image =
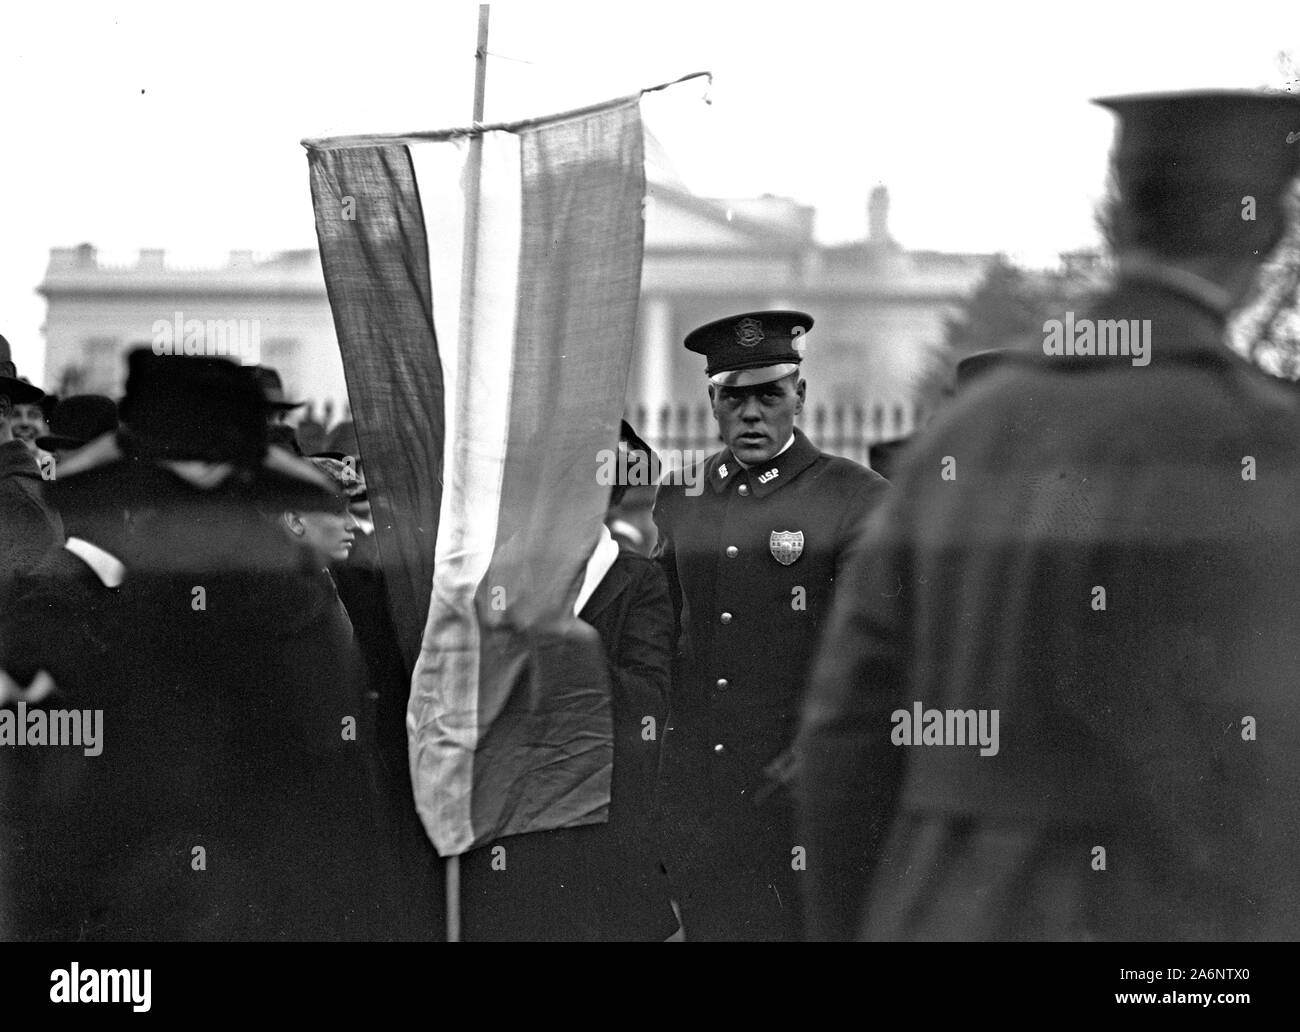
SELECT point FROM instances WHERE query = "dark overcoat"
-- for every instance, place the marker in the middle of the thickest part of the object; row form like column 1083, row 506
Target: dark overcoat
column 599, row 882
column 1107, row 555
column 28, row 526
column 751, row 561
column 234, row 797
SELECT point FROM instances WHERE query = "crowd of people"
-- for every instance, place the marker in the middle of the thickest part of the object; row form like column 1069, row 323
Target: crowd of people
column 216, row 600
column 1038, row 685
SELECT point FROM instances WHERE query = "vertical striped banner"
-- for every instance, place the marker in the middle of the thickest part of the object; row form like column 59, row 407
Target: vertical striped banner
column 512, row 374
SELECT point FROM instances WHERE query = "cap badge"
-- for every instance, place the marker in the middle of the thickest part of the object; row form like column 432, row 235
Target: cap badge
column 749, row 333
column 786, row 545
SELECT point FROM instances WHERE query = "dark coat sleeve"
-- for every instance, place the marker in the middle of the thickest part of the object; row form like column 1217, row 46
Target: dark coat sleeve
column 848, row 767
column 665, row 552
column 28, row 531
column 640, row 664
column 640, row 667
column 869, row 496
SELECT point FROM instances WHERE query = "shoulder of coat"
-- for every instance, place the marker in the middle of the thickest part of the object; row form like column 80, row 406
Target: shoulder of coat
column 851, row 474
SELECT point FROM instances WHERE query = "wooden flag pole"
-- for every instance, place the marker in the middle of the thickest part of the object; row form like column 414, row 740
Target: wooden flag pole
column 468, row 275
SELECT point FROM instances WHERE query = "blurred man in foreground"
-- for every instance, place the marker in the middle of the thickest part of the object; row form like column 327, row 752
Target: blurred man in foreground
column 1057, row 696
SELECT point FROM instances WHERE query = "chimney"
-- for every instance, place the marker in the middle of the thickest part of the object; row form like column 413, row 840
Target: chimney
column 878, row 216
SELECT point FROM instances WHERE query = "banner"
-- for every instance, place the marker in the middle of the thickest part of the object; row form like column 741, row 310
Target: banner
column 484, row 381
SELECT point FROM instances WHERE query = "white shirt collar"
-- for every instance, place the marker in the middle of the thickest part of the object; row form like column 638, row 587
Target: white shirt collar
column 784, row 448
column 106, row 566
column 602, row 558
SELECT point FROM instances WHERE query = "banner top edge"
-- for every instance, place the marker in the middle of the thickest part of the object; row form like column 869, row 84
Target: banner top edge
column 327, row 143
column 461, row 132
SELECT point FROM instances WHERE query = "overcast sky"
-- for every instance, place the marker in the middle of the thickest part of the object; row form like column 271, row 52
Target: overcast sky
column 174, row 125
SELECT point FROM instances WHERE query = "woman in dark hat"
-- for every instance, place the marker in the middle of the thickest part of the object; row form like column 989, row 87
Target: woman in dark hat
column 76, row 421
column 73, row 423
column 28, row 526
column 234, row 798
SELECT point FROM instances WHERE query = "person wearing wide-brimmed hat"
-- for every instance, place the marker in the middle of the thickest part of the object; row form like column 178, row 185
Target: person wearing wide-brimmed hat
column 29, row 420
column 28, row 526
column 277, row 406
column 233, row 798
column 76, row 421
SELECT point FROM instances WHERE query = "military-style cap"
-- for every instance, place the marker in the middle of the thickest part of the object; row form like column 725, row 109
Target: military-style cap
column 1216, row 132
column 752, row 348
column 1201, row 152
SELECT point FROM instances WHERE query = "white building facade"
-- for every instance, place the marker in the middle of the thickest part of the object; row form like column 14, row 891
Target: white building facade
column 878, row 308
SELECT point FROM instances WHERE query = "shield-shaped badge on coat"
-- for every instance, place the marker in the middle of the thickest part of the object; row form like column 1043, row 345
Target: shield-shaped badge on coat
column 786, row 545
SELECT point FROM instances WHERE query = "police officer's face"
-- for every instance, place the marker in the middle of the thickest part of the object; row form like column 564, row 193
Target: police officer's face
column 755, row 422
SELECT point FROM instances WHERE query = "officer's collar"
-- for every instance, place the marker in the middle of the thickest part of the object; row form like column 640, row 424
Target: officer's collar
column 763, row 479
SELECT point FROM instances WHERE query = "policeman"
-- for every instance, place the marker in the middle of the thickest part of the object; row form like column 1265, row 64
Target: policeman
column 752, row 545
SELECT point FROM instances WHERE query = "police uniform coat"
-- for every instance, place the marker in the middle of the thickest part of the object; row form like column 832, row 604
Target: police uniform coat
column 1108, row 555
column 751, row 564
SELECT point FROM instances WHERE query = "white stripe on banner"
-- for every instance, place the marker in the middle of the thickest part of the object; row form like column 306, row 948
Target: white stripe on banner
column 443, row 714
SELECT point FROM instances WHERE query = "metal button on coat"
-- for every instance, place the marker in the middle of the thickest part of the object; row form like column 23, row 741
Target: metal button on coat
column 743, row 489
column 732, row 551
column 722, row 682
column 718, row 748
column 726, row 618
